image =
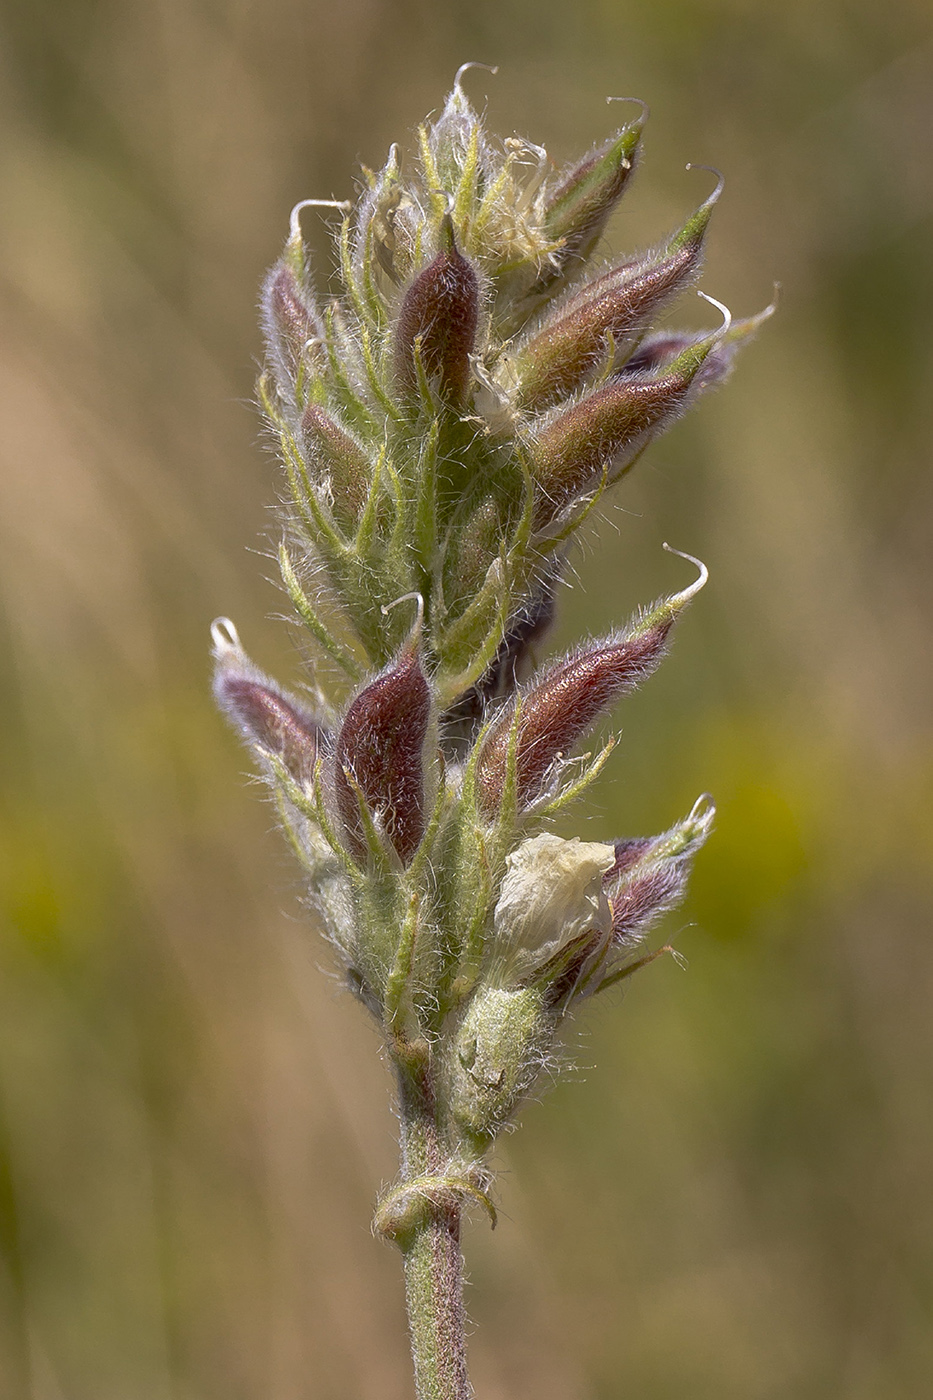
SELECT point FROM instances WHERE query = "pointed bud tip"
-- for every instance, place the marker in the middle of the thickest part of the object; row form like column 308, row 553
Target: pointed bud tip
column 680, row 600
column 225, row 640
column 695, row 227
column 643, row 115
column 702, row 815
column 294, row 218
column 413, row 642
column 492, row 68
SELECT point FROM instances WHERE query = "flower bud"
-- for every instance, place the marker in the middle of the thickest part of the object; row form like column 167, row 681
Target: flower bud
column 658, row 350
column 649, row 875
column 558, row 710
column 500, row 1049
column 578, row 206
column 380, row 757
column 611, row 425
column 336, row 459
column 439, row 315
column 573, row 342
column 666, row 346
column 290, row 320
column 261, row 711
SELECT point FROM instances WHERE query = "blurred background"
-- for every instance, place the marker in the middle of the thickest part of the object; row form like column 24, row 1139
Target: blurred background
column 730, row 1195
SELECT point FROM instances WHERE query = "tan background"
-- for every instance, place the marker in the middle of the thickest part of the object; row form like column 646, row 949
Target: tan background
column 730, row 1197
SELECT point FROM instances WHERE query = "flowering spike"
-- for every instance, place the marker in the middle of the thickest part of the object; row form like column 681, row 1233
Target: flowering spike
column 261, row 711
column 447, row 421
column 438, row 320
column 380, row 755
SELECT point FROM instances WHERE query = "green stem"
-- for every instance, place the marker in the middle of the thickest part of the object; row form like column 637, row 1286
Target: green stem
column 432, row 1255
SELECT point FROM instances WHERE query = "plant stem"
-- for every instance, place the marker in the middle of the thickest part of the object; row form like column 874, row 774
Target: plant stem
column 432, row 1254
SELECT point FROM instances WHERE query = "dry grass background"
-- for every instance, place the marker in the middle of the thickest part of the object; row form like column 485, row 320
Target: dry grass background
column 730, row 1198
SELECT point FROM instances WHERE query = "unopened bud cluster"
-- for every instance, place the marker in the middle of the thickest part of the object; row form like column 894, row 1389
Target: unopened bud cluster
column 446, row 424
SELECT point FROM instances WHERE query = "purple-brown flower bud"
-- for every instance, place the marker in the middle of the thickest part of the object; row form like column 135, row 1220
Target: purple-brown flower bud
column 658, row 350
column 334, row 457
column 611, row 425
column 573, row 342
column 380, row 757
column 560, row 708
column 439, row 315
column 667, row 346
column 262, row 712
column 650, row 874
column 644, row 899
column 554, row 713
column 585, row 195
column 290, row 320
column 627, row 853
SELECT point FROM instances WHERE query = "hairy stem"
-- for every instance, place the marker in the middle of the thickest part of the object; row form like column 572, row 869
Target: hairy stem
column 432, row 1253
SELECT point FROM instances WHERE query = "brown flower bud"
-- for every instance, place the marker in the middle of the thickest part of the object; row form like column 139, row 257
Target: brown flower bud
column 261, row 711
column 585, row 195
column 627, row 853
column 380, row 757
column 644, row 899
column 658, row 350
column 573, row 342
column 666, row 346
column 290, row 320
column 650, row 874
column 560, row 708
column 439, row 314
column 333, row 456
column 556, row 711
column 611, row 425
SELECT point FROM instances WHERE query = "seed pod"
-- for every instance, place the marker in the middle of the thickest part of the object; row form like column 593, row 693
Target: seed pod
column 261, row 712
column 380, row 757
column 500, row 1049
column 290, row 320
column 333, row 456
column 573, row 342
column 612, row 424
column 439, row 314
column 578, row 206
